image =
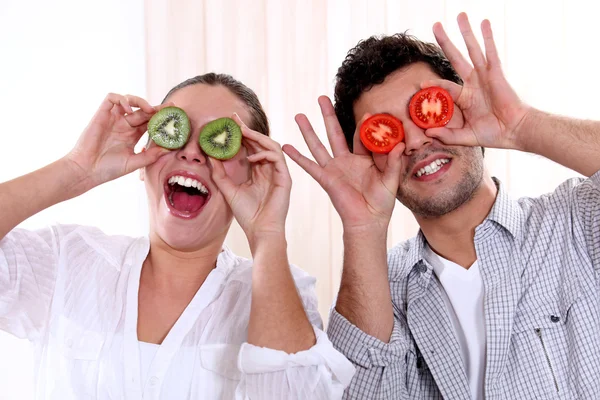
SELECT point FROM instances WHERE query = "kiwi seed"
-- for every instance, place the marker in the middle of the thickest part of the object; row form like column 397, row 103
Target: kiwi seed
column 169, row 128
column 221, row 138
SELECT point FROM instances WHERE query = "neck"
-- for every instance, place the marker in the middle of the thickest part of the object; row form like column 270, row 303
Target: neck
column 171, row 271
column 452, row 235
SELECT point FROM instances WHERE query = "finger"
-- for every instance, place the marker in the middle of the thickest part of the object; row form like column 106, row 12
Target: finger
column 138, row 102
column 473, row 47
column 267, row 155
column 222, row 180
column 265, row 141
column 311, row 167
column 358, row 147
column 141, row 129
column 336, row 137
column 111, row 100
column 252, row 146
column 458, row 61
column 393, row 167
column 453, row 137
column 125, row 104
column 276, row 159
column 138, row 118
column 491, row 52
column 454, row 89
column 164, row 105
column 145, row 158
column 313, row 142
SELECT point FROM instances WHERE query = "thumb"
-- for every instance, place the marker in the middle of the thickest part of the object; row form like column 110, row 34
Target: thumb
column 146, row 157
column 453, row 137
column 222, row 180
column 358, row 147
column 393, row 167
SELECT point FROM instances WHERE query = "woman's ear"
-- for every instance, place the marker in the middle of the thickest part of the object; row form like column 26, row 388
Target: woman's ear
column 142, row 170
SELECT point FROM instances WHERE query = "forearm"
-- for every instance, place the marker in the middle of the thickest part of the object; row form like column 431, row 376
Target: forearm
column 29, row 194
column 364, row 298
column 277, row 317
column 573, row 143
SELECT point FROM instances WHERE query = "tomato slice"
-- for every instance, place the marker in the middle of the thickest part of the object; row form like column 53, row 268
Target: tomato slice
column 380, row 133
column 432, row 107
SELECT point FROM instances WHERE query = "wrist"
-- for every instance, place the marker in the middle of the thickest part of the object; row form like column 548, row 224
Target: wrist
column 376, row 230
column 273, row 240
column 75, row 180
column 527, row 130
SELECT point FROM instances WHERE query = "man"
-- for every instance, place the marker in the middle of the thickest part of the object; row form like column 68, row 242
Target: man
column 494, row 297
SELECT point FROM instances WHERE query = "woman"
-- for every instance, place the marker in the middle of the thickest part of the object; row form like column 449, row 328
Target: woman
column 174, row 315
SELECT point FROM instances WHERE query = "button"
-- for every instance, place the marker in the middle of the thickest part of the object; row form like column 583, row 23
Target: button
column 153, row 381
column 69, row 343
column 554, row 318
column 422, row 268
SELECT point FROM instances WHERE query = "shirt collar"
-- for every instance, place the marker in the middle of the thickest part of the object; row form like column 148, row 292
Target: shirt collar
column 505, row 212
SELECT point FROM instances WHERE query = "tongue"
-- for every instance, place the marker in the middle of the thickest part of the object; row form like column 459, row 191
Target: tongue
column 187, row 202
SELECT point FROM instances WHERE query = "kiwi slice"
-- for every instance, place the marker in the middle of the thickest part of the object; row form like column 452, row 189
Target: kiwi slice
column 221, row 138
column 169, row 128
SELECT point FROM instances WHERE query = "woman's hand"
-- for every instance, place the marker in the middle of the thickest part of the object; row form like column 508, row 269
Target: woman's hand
column 260, row 205
column 105, row 149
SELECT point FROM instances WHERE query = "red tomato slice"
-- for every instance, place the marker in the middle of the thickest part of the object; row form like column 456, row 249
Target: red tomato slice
column 381, row 132
column 431, row 107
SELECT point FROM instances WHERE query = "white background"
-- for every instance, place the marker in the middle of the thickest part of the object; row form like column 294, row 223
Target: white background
column 59, row 58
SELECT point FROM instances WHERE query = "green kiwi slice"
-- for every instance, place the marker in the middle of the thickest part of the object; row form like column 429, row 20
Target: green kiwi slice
column 221, row 138
column 169, row 128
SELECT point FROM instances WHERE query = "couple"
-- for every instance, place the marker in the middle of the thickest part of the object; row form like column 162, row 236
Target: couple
column 494, row 297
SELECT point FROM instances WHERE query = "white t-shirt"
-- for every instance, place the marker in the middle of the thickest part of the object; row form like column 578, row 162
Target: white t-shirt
column 73, row 292
column 463, row 294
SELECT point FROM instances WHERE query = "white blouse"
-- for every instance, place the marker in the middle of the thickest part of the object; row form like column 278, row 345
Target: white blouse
column 73, row 292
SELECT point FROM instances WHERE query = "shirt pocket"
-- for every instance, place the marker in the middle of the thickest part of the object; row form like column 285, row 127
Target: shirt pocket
column 220, row 371
column 540, row 346
column 76, row 353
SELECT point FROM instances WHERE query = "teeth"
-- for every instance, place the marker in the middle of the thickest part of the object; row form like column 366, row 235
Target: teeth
column 433, row 167
column 188, row 182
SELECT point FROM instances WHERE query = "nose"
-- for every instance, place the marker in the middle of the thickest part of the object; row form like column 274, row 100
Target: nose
column 191, row 152
column 414, row 138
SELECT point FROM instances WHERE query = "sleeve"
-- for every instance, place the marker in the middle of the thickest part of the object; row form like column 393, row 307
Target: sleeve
column 587, row 213
column 380, row 366
column 28, row 266
column 319, row 373
column 571, row 215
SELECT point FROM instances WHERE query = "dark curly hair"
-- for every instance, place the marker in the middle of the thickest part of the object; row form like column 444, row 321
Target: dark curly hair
column 372, row 60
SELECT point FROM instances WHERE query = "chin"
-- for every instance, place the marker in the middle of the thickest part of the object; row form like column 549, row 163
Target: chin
column 190, row 234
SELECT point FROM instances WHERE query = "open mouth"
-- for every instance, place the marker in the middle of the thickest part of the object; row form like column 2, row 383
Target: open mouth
column 185, row 196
